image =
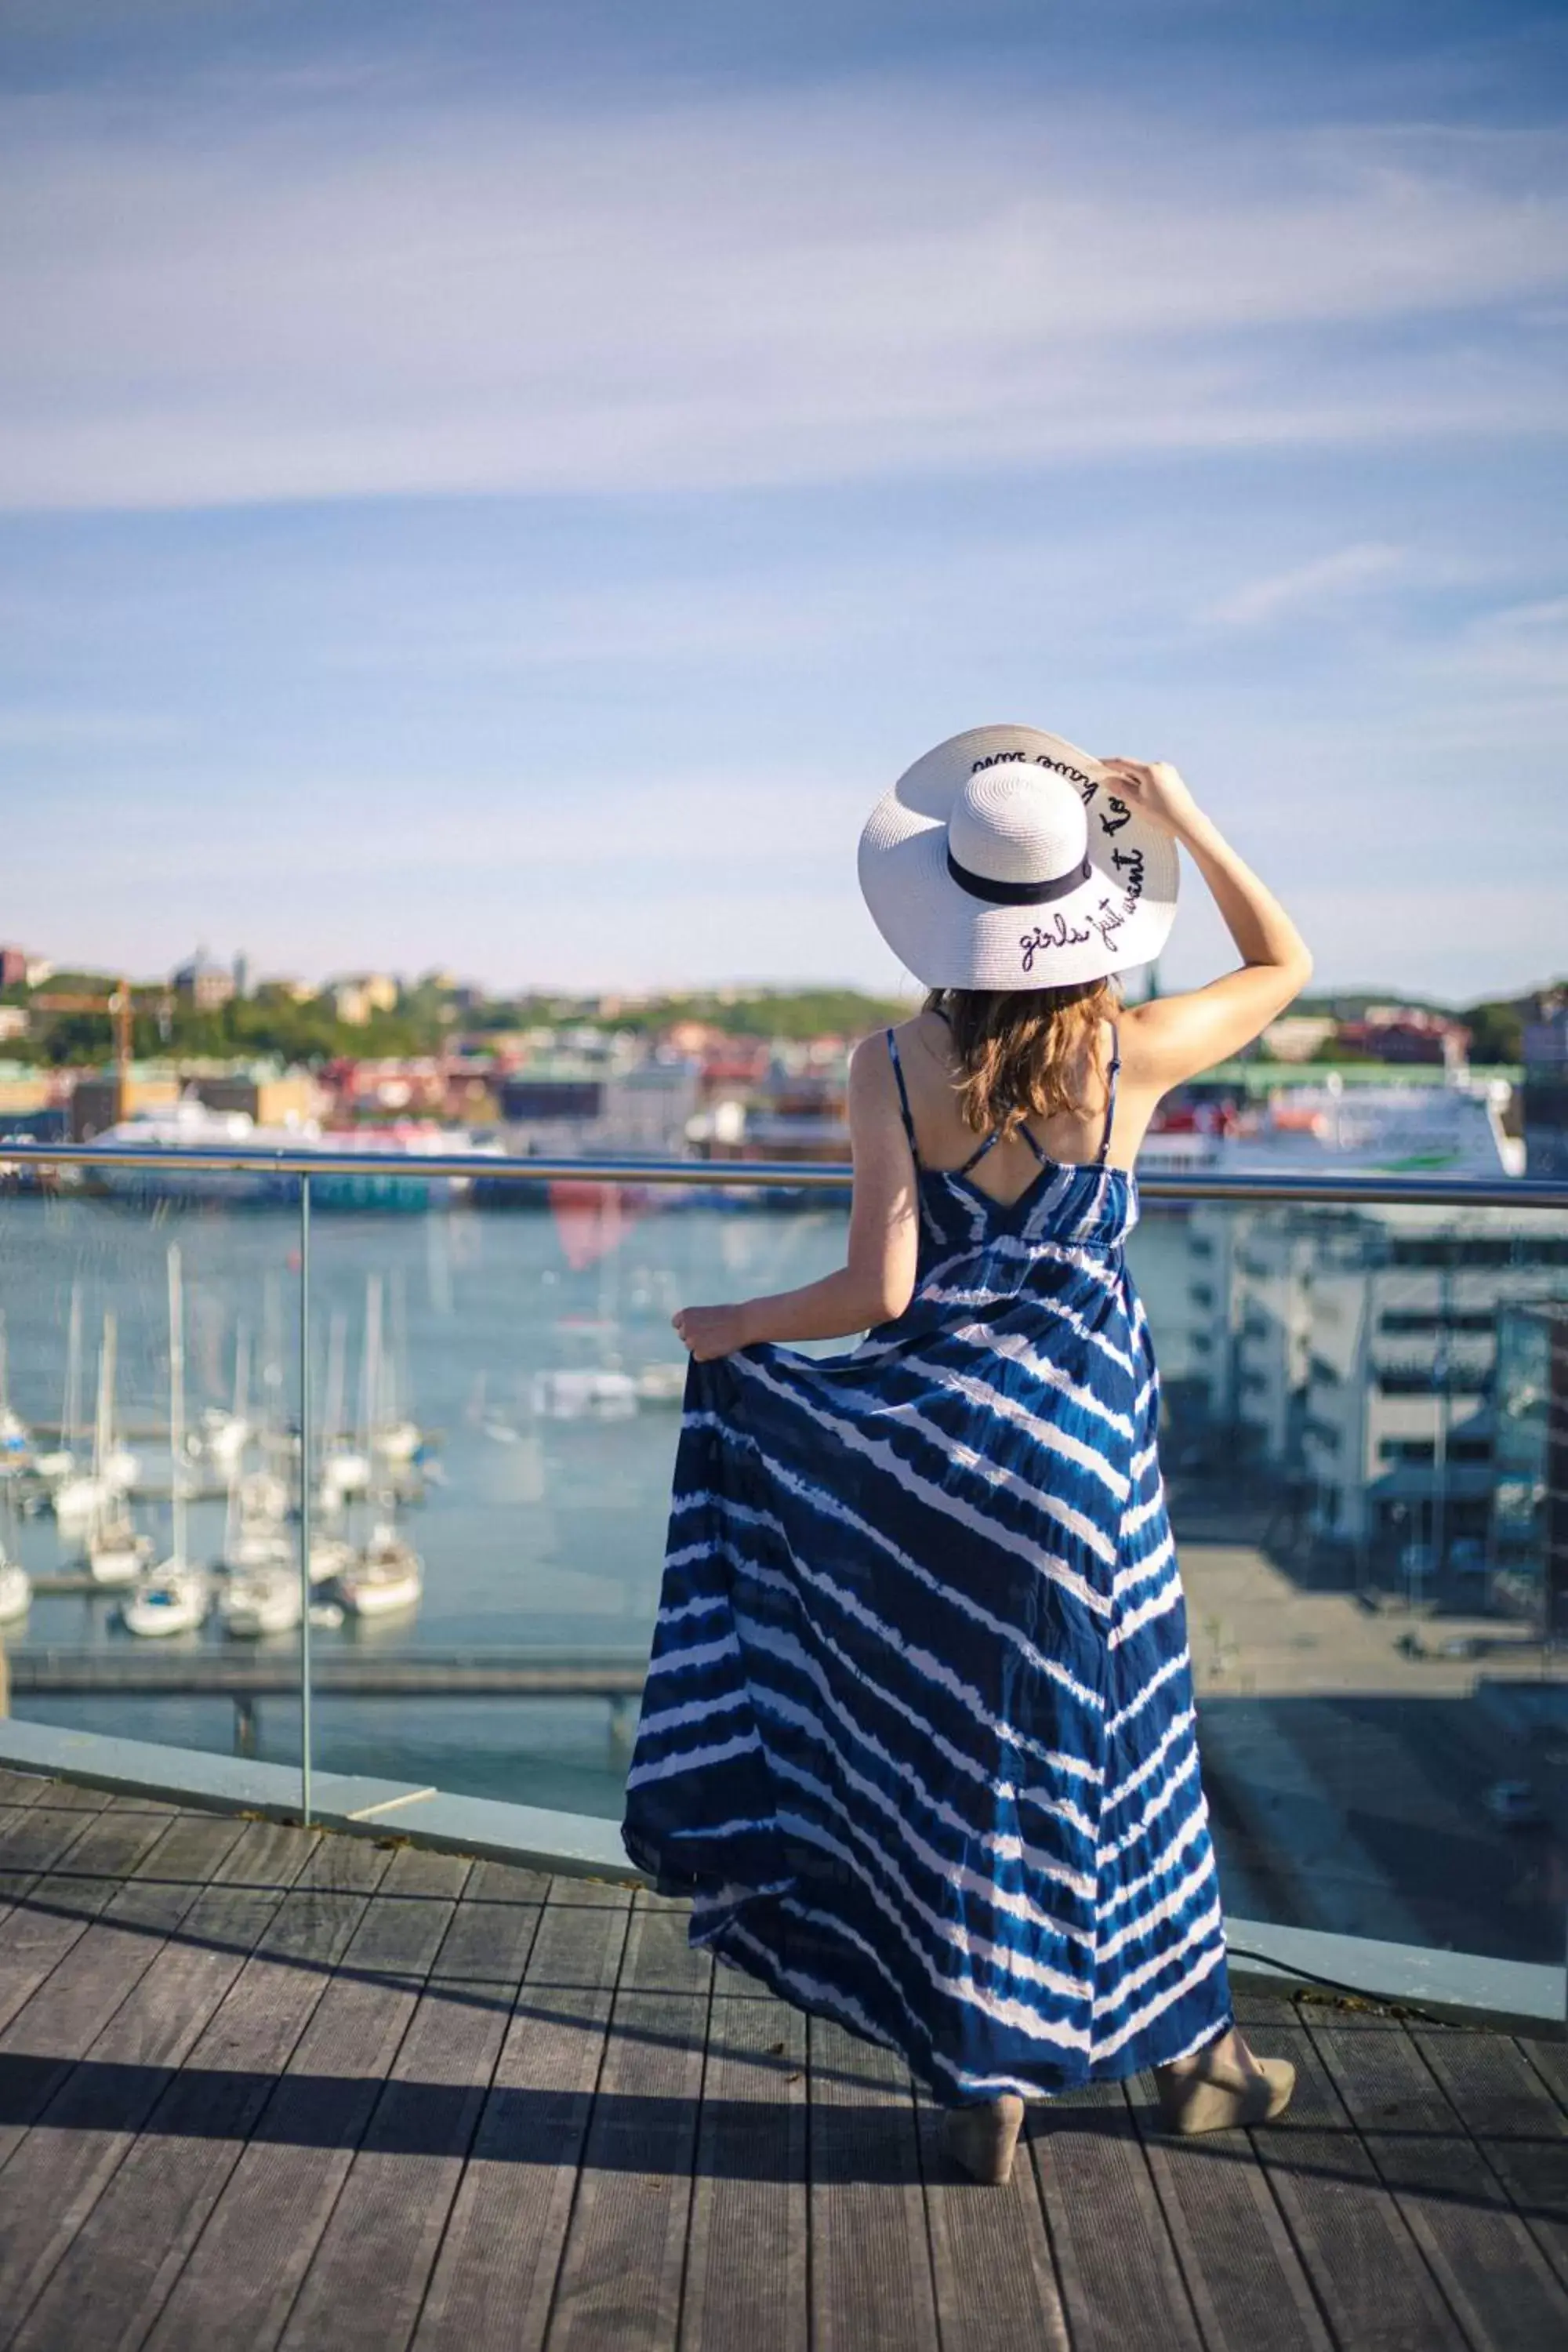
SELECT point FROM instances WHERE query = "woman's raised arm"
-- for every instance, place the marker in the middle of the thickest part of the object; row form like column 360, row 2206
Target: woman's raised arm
column 1173, row 1038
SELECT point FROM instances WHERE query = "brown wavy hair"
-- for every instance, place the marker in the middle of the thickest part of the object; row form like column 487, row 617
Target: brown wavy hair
column 1022, row 1053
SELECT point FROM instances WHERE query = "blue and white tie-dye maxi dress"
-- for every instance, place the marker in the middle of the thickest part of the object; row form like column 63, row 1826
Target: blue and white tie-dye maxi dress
column 918, row 1734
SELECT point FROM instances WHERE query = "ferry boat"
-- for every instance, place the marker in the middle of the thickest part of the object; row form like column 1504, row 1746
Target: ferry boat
column 190, row 1126
column 1329, row 1127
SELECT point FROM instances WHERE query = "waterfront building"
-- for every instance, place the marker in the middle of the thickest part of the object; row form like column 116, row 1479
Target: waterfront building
column 1545, row 1091
column 1530, row 1525
column 1404, row 1034
column 1358, row 1351
column 95, row 1104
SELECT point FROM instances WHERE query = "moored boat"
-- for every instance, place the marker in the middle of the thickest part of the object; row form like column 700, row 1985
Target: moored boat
column 15, row 1591
column 260, row 1600
column 172, row 1598
column 387, row 1575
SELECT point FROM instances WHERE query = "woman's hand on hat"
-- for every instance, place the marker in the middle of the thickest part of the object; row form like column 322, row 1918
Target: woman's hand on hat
column 710, row 1331
column 1155, row 788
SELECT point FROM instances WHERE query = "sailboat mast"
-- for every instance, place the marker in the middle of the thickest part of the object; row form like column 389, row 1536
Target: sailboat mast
column 70, row 1407
column 100, row 1436
column 337, row 1351
column 177, row 1402
column 372, row 1362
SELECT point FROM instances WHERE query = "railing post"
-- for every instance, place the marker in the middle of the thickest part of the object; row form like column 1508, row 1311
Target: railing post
column 305, row 1499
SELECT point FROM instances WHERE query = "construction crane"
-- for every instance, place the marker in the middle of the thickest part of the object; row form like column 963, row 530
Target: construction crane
column 120, row 1005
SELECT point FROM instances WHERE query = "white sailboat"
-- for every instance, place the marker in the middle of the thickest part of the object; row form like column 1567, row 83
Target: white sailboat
column 388, row 1575
column 582, row 1392
column 114, row 1551
column 15, row 1437
column 16, row 1590
column 264, row 1599
column 345, row 1460
column 330, row 1556
column 173, row 1597
column 84, row 1499
column 117, row 1552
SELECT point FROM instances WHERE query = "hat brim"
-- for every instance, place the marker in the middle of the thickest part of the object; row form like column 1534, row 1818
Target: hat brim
column 1118, row 918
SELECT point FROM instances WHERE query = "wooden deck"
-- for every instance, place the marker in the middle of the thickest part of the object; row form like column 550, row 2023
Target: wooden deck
column 266, row 2087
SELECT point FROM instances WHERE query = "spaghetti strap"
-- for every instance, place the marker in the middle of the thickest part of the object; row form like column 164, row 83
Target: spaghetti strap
column 903, row 1097
column 1110, row 1078
column 976, row 1155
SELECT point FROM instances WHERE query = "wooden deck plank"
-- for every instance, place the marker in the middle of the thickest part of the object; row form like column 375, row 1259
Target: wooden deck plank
column 47, row 1924
column 992, row 2267
column 1492, row 2273
column 1376, row 2293
column 1122, row 2284
column 618, row 2286
column 1496, row 2091
column 1549, row 2060
column 871, row 2286
column 1245, row 2277
column 366, row 2282
column 33, row 1839
column 350, row 2110
column 244, row 2272
column 746, row 2247
column 21, row 1787
column 125, row 2260
column 74, row 1999
column 86, row 2127
column 494, row 2279
column 72, row 1797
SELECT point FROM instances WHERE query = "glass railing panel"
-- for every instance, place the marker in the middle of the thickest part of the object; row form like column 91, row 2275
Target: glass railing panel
column 1361, row 1409
column 148, row 1419
column 497, row 1396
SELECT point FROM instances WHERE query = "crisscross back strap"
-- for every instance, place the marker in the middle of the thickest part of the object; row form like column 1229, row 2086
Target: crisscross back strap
column 903, row 1097
column 1110, row 1077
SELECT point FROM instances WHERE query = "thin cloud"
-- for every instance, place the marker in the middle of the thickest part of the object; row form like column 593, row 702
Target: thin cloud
column 1325, row 581
column 336, row 301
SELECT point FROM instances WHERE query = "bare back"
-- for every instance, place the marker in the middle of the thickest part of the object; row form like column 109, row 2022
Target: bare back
column 1069, row 1139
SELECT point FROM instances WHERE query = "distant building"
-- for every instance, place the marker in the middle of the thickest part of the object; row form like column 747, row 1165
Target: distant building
column 1545, row 1090
column 1297, row 1036
column 1359, row 1350
column 13, row 967
column 15, row 1020
column 1407, row 1033
column 92, row 1103
column 358, row 996
column 206, row 985
column 1531, row 1489
column 272, row 1098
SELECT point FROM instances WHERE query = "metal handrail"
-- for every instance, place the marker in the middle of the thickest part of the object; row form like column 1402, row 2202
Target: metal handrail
column 1375, row 1192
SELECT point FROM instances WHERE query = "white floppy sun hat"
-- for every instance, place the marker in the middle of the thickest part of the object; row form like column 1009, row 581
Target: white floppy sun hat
column 1004, row 859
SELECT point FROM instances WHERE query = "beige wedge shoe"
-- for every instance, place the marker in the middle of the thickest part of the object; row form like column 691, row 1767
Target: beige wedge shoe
column 982, row 2139
column 1221, row 2087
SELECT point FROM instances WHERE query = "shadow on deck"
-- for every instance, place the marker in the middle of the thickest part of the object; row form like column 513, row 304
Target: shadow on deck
column 260, row 2085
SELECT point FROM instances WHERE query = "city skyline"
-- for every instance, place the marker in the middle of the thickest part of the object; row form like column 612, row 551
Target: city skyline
column 513, row 494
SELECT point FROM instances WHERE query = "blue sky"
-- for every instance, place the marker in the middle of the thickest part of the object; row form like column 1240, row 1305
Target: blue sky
column 507, row 487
